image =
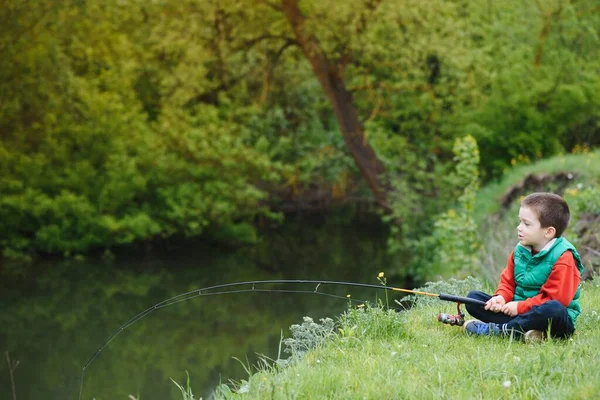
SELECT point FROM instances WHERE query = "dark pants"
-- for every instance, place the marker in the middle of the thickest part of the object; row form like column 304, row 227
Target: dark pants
column 551, row 314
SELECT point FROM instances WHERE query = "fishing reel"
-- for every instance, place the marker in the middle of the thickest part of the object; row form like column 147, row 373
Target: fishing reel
column 457, row 319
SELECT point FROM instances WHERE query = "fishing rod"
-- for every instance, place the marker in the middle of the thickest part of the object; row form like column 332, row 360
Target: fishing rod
column 210, row 291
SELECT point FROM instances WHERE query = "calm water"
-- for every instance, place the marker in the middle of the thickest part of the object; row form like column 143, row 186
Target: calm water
column 55, row 318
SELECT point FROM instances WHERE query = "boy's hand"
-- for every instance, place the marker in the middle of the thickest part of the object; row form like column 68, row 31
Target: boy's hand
column 495, row 304
column 510, row 308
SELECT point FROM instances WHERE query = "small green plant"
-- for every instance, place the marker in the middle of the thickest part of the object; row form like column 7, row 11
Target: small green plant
column 451, row 249
column 583, row 231
column 12, row 366
column 307, row 336
column 370, row 322
column 584, row 199
column 187, row 391
column 456, row 231
column 383, row 280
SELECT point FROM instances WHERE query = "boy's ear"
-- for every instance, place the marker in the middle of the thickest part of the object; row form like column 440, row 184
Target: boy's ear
column 550, row 232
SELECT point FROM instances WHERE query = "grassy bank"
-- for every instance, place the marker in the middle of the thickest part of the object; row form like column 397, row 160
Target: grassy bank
column 372, row 353
column 376, row 354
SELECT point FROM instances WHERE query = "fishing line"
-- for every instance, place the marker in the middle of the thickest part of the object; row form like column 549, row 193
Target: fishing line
column 206, row 292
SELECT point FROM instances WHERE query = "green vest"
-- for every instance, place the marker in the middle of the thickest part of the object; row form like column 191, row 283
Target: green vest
column 531, row 272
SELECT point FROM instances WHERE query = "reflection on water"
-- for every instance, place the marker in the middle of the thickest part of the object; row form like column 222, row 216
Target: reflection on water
column 57, row 317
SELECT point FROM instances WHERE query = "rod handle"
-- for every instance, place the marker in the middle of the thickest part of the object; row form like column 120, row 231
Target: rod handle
column 463, row 300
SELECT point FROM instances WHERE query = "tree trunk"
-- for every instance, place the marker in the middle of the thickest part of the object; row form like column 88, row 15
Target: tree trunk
column 330, row 77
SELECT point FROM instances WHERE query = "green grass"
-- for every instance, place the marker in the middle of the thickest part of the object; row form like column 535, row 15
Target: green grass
column 388, row 355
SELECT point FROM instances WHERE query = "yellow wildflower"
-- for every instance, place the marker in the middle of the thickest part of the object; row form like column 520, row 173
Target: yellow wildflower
column 572, row 191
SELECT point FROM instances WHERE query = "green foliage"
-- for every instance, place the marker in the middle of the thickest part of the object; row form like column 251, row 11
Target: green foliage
column 584, row 200
column 417, row 77
column 453, row 245
column 584, row 203
column 294, row 131
column 542, row 91
column 456, row 232
column 88, row 169
column 131, row 121
column 481, row 77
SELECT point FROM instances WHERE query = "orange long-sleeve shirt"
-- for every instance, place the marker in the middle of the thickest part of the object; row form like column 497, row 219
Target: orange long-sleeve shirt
column 561, row 284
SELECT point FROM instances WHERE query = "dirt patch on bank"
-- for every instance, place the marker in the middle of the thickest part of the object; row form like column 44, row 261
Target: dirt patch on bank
column 557, row 183
column 588, row 245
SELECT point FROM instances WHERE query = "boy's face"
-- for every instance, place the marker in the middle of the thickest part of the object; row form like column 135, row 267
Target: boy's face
column 530, row 230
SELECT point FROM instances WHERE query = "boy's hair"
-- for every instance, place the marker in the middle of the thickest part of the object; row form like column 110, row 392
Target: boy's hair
column 551, row 210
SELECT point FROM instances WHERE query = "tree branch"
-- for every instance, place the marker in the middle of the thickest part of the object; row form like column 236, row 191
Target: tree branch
column 11, row 368
column 246, row 45
column 590, row 11
column 360, row 28
column 274, row 6
column 388, row 88
column 20, row 33
column 271, row 67
column 549, row 16
column 371, row 6
column 211, row 95
column 342, row 103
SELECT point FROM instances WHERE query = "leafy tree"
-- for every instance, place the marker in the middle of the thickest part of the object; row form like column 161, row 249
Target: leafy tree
column 139, row 120
column 84, row 167
column 541, row 92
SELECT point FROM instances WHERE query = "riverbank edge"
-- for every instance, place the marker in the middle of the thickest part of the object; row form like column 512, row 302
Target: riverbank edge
column 426, row 359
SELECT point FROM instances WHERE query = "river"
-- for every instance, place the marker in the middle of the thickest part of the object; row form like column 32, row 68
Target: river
column 57, row 314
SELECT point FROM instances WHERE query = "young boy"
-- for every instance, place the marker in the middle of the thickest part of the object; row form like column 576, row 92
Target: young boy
column 539, row 288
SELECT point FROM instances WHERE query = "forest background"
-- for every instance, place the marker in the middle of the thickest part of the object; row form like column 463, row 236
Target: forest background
column 129, row 122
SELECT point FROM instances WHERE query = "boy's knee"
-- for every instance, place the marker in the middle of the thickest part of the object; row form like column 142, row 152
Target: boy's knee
column 477, row 294
column 554, row 307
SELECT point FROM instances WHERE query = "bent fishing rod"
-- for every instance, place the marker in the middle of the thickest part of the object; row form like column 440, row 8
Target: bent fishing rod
column 212, row 291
